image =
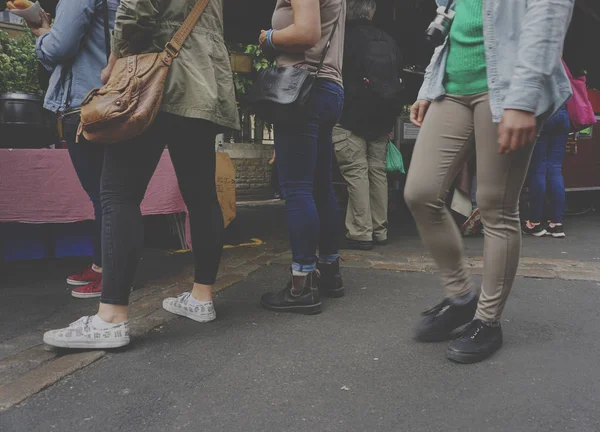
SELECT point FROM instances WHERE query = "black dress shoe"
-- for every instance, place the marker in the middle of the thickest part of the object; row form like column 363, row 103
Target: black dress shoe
column 358, row 245
column 329, row 280
column 440, row 322
column 307, row 303
column 479, row 341
column 381, row 242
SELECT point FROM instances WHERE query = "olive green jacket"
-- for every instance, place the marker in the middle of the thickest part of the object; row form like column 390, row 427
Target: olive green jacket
column 200, row 83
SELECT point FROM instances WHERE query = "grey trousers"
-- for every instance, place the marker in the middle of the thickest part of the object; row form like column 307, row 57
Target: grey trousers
column 442, row 147
column 362, row 164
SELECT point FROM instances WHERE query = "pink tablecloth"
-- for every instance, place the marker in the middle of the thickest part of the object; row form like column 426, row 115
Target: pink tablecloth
column 41, row 186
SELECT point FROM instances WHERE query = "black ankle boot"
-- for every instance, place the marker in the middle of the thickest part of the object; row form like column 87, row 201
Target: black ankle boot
column 479, row 341
column 440, row 322
column 329, row 280
column 308, row 302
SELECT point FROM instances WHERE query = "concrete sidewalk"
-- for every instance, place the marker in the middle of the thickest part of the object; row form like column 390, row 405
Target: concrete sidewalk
column 352, row 368
column 35, row 297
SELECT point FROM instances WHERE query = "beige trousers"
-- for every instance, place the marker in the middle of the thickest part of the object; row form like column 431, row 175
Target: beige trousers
column 362, row 164
column 444, row 144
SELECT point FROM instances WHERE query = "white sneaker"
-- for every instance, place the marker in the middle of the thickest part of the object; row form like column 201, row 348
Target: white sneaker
column 83, row 334
column 185, row 305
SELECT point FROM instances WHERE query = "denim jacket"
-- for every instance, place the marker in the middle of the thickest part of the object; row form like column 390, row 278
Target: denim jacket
column 74, row 51
column 523, row 43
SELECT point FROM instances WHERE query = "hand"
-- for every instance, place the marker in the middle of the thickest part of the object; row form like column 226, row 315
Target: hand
column 418, row 111
column 107, row 71
column 105, row 74
column 262, row 39
column 43, row 27
column 517, row 129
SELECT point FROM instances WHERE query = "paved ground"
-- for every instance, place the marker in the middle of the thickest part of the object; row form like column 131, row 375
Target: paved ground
column 354, row 367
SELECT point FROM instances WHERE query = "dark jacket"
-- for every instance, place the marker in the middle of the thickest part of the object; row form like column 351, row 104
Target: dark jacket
column 364, row 113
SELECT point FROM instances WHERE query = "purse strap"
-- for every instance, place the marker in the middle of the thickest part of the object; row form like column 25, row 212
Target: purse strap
column 328, row 44
column 176, row 43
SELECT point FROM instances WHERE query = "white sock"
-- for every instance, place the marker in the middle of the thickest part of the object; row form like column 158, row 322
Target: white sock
column 96, row 271
column 99, row 323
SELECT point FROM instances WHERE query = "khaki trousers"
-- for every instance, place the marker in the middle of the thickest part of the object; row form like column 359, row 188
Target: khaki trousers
column 443, row 146
column 362, row 164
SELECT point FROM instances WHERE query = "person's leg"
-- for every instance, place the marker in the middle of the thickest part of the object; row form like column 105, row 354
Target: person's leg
column 195, row 166
column 378, row 188
column 304, row 160
column 537, row 183
column 557, row 146
column 329, row 280
column 351, row 155
column 296, row 149
column 128, row 167
column 444, row 144
column 87, row 159
column 500, row 180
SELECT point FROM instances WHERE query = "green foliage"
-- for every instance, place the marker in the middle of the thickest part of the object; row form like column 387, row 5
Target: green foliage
column 243, row 82
column 18, row 64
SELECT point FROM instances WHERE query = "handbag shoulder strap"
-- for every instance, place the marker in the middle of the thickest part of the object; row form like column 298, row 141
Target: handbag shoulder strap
column 328, row 44
column 176, row 43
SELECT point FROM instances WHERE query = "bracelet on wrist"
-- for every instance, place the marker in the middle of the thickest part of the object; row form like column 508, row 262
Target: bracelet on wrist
column 270, row 39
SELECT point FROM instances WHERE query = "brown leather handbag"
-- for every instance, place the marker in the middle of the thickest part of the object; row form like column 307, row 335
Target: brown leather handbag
column 131, row 98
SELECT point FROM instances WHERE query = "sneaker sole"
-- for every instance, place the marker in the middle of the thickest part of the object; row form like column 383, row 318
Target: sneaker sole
column 538, row 234
column 189, row 315
column 87, row 344
column 470, row 358
column 78, row 283
column 304, row 310
column 558, row 236
column 85, row 295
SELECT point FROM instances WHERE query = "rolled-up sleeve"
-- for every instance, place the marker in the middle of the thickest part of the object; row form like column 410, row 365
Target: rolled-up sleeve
column 540, row 48
column 134, row 25
column 63, row 42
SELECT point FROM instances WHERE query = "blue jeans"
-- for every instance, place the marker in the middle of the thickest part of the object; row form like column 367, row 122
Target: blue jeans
column 304, row 165
column 545, row 171
column 87, row 159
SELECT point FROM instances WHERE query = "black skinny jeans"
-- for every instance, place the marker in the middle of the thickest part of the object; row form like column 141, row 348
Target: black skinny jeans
column 87, row 159
column 128, row 168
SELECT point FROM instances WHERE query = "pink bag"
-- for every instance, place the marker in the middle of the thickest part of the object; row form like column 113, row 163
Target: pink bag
column 579, row 106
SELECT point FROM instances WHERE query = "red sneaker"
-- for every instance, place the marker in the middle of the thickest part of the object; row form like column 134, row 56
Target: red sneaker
column 93, row 289
column 84, row 277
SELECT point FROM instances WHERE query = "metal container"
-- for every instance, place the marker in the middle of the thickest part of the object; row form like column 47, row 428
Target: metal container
column 24, row 123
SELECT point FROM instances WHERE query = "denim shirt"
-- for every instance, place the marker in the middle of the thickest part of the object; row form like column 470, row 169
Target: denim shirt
column 523, row 43
column 74, row 51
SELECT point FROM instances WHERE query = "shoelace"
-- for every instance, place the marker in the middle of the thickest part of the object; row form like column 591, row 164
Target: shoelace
column 473, row 329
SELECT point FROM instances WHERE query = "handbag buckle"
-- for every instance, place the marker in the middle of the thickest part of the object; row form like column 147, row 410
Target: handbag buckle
column 171, row 50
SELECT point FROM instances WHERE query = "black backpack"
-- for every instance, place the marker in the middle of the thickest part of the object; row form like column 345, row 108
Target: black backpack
column 375, row 90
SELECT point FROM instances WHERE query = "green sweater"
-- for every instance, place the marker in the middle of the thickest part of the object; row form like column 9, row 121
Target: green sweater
column 466, row 69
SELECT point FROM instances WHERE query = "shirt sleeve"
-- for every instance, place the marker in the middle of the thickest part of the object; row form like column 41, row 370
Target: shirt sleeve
column 134, row 26
column 63, row 42
column 540, row 48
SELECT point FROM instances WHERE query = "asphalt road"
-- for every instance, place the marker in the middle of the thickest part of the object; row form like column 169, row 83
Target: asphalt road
column 352, row 368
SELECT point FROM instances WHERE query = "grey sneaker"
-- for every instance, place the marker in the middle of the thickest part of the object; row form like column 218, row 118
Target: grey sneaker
column 184, row 306
column 83, row 334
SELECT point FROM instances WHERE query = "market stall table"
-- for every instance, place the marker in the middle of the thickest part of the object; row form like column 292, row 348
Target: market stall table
column 41, row 186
